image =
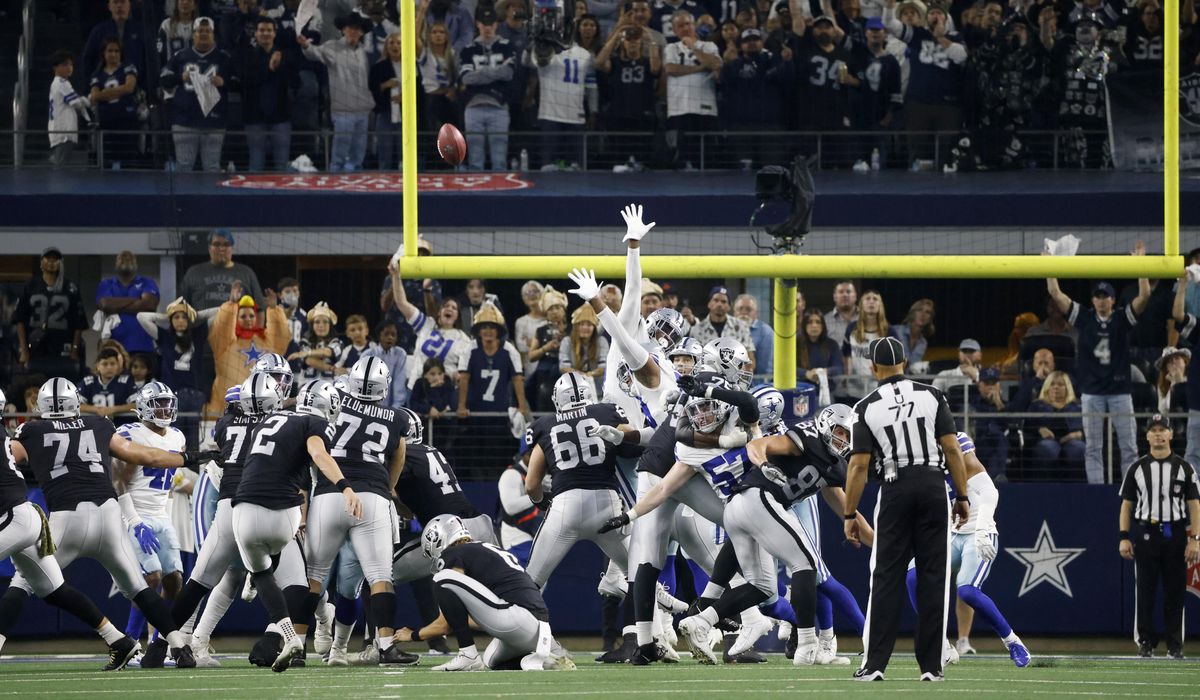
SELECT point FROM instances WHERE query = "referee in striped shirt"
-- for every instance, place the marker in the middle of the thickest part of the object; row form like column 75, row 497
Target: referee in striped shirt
column 1160, row 495
column 905, row 427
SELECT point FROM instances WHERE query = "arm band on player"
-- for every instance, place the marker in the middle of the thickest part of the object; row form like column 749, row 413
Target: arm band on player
column 1124, row 534
column 633, row 514
column 984, row 498
column 128, row 512
column 415, row 636
column 962, row 499
column 342, row 484
column 738, row 438
column 852, row 516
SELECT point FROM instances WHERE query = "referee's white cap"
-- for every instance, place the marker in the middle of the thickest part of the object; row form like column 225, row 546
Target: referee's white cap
column 887, row 352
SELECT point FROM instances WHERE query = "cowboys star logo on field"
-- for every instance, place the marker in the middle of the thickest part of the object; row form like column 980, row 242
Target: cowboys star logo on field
column 1045, row 562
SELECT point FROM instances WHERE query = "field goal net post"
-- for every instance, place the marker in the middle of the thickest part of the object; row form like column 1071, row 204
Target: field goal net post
column 786, row 268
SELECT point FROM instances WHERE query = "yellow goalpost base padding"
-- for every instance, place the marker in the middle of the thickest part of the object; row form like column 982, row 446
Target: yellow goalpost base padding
column 611, row 268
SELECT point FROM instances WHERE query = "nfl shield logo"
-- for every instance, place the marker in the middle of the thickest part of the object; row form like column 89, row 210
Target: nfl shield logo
column 726, row 355
column 800, row 404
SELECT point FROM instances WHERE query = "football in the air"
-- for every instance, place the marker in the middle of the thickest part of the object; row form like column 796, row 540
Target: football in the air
column 451, row 145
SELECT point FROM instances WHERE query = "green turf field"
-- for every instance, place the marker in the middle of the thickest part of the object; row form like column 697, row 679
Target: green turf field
column 980, row 677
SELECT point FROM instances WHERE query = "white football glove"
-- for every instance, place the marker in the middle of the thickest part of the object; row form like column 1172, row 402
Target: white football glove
column 610, row 434
column 587, row 288
column 985, row 545
column 634, row 228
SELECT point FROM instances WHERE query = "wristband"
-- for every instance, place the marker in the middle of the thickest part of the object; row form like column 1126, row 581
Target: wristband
column 850, row 516
column 962, row 499
column 414, row 635
column 631, row 514
column 1124, row 534
column 342, row 484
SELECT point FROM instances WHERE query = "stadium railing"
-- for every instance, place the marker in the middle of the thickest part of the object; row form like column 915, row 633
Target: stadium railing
column 482, row 445
column 591, row 150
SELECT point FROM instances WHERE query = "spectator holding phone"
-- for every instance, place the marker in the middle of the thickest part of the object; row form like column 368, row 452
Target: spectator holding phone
column 629, row 63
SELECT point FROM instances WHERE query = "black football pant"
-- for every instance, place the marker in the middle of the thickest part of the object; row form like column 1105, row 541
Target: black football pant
column 911, row 520
column 1159, row 557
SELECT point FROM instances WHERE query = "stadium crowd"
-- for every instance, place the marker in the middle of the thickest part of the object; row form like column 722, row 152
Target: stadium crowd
column 659, row 71
column 467, row 363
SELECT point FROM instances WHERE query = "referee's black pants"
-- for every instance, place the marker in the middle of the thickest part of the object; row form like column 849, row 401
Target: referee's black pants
column 1156, row 558
column 912, row 519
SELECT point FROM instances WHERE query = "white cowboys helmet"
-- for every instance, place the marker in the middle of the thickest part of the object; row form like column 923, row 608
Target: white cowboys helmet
column 440, row 533
column 665, row 327
column 156, row 403
column 688, row 347
column 368, row 380
column 625, row 380
column 770, row 407
column 730, row 358
column 277, row 366
column 259, row 395
column 319, row 398
column 837, row 415
column 708, row 415
column 572, row 391
column 416, row 427
column 58, row 398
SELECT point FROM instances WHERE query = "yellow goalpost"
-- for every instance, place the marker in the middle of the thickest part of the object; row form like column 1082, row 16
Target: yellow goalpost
column 785, row 267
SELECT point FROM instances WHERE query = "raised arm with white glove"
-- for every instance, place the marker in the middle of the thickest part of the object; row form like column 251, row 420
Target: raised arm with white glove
column 631, row 302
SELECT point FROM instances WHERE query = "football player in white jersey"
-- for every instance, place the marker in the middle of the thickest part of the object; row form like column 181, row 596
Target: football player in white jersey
column 142, row 493
column 973, row 546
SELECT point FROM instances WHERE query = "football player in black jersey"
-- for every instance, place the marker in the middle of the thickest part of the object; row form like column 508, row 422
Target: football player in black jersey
column 582, row 467
column 25, row 536
column 218, row 572
column 477, row 582
column 69, row 454
column 761, row 526
column 266, row 507
column 428, row 488
column 369, row 447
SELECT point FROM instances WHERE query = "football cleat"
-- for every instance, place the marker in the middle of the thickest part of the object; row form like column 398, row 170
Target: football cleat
column 395, row 656
column 749, row 634
column 695, row 631
column 437, row 647
column 750, row 656
column 646, row 654
column 369, row 656
column 266, row 649
column 292, row 649
column 323, row 634
column 300, row 660
column 204, row 659
column 863, row 674
column 155, row 654
column 668, row 602
column 827, row 652
column 783, row 631
column 949, row 654
column 789, row 649
column 1145, row 651
column 963, row 646
column 932, row 677
column 121, row 653
column 183, row 656
column 1176, row 654
column 1018, row 653
column 534, row 662
column 337, row 657
column 806, row 654
column 621, row 654
column 462, row 662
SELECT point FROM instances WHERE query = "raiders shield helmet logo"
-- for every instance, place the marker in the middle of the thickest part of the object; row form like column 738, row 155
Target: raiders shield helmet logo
column 726, row 355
